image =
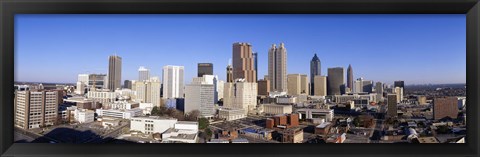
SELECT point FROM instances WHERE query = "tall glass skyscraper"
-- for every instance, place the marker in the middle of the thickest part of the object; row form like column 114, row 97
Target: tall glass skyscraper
column 315, row 70
column 114, row 72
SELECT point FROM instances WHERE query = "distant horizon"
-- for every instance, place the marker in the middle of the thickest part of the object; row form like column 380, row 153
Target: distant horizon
column 418, row 49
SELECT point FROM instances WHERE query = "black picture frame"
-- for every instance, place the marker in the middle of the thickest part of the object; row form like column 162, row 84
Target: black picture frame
column 9, row 8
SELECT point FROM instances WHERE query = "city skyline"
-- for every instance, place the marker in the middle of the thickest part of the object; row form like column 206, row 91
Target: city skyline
column 369, row 59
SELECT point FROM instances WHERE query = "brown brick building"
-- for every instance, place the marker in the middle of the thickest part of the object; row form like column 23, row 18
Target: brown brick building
column 445, row 107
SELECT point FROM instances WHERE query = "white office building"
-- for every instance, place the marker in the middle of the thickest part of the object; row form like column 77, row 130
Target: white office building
column 173, row 81
column 84, row 116
column 148, row 91
column 183, row 131
column 200, row 95
column 231, row 114
column 152, row 124
column 102, row 96
column 143, row 74
column 240, row 94
column 274, row 109
column 125, row 114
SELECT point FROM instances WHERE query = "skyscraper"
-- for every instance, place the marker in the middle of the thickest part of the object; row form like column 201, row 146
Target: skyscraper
column 173, row 81
column 204, row 69
column 350, row 77
column 277, row 68
column 315, row 70
column 320, row 85
column 255, row 64
column 200, row 95
column 148, row 91
column 143, row 74
column 392, row 105
column 399, row 84
column 229, row 73
column 379, row 91
column 243, row 66
column 335, row 81
column 297, row 84
column 240, row 95
column 114, row 72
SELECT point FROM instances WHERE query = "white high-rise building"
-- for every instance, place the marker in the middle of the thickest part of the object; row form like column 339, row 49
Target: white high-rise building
column 80, row 88
column 83, row 78
column 148, row 91
column 143, row 74
column 200, row 95
column 399, row 92
column 173, row 81
column 240, row 94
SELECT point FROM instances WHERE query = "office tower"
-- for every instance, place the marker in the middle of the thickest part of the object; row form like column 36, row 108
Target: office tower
column 335, row 81
column 199, row 95
column 127, row 84
column 399, row 92
column 350, row 77
column 297, row 84
column 242, row 59
column 204, row 69
column 392, row 105
column 304, row 84
column 35, row 108
column 263, row 87
column 209, row 79
column 445, row 107
column 148, row 91
column 320, row 85
column 143, row 74
column 83, row 78
column 220, row 84
column 97, row 81
column 173, row 81
column 240, row 95
column 277, row 68
column 379, row 91
column 360, row 85
column 293, row 84
column 315, row 70
column 80, row 88
column 114, row 72
column 255, row 65
column 399, row 84
column 229, row 73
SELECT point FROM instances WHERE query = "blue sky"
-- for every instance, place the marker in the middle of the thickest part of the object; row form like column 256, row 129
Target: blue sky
column 416, row 48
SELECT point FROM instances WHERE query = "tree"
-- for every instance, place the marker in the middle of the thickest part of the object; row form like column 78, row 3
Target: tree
column 155, row 111
column 208, row 133
column 203, row 123
column 192, row 115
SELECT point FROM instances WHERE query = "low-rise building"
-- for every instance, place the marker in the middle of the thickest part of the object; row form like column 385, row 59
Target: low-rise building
column 182, row 131
column 84, row 116
column 275, row 109
column 231, row 113
column 307, row 113
column 152, row 124
column 292, row 135
column 125, row 114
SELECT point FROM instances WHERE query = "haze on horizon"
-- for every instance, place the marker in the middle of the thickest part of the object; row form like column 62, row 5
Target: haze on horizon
column 419, row 49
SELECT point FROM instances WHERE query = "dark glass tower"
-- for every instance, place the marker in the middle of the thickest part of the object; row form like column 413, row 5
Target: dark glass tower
column 315, row 70
column 335, row 81
column 205, row 69
column 350, row 77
